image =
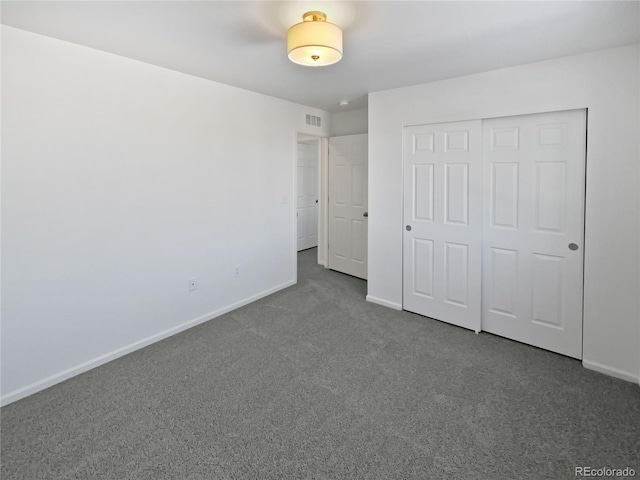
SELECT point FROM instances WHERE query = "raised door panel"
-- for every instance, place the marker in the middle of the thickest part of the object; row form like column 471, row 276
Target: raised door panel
column 456, row 274
column 342, row 183
column 501, row 295
column 546, row 292
column 422, row 142
column 422, row 201
column 341, row 238
column 551, row 195
column 503, row 207
column 504, row 139
column 423, row 268
column 456, row 205
column 456, row 141
column 358, row 186
column 358, row 233
column 312, row 225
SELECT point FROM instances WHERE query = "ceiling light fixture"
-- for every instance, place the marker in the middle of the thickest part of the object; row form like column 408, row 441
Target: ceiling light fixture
column 344, row 103
column 314, row 42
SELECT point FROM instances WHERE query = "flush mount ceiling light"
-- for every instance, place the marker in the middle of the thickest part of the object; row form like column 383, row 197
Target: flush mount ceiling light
column 314, row 42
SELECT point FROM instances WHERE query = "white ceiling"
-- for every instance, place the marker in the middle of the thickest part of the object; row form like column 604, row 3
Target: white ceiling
column 386, row 44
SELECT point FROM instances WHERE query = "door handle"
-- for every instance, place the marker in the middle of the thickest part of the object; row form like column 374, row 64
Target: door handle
column 316, row 201
column 365, row 214
column 408, row 227
column 573, row 246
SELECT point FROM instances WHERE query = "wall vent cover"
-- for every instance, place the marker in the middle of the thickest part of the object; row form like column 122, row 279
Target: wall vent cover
column 313, row 120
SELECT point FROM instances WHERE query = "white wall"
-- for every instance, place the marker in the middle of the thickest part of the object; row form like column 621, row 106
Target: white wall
column 120, row 181
column 606, row 82
column 352, row 122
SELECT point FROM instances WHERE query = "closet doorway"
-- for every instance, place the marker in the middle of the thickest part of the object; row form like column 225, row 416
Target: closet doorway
column 494, row 226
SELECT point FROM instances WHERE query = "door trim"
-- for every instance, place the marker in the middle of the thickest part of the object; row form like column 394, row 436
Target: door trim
column 323, row 159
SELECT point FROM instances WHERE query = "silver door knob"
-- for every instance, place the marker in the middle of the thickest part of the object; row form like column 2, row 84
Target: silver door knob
column 365, row 214
column 408, row 227
column 573, row 246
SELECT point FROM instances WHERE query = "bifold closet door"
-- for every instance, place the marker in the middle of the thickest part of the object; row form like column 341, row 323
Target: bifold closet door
column 443, row 222
column 534, row 181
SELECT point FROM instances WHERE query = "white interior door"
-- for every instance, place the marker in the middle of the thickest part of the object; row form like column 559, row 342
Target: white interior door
column 443, row 222
column 307, row 194
column 348, row 165
column 534, row 229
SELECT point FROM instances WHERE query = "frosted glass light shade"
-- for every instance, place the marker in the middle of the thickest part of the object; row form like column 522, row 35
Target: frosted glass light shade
column 314, row 42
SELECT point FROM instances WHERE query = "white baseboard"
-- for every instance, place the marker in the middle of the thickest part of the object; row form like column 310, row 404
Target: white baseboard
column 611, row 371
column 102, row 359
column 384, row 303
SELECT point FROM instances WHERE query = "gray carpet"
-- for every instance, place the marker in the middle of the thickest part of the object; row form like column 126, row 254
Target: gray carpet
column 314, row 382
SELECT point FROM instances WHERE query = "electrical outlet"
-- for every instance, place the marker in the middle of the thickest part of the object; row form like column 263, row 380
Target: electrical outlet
column 237, row 270
column 193, row 284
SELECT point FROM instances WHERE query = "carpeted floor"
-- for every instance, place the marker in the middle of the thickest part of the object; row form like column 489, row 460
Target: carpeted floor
column 315, row 383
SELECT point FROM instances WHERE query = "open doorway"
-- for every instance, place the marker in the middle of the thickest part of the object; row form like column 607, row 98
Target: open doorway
column 311, row 194
column 307, row 194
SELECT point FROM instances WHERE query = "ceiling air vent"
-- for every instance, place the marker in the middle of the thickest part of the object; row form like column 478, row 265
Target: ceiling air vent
column 313, row 120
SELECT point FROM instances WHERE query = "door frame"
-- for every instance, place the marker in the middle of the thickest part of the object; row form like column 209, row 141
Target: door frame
column 313, row 143
column 323, row 197
column 511, row 114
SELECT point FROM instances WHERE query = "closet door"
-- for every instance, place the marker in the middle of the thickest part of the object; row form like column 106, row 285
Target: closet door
column 533, row 231
column 443, row 222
